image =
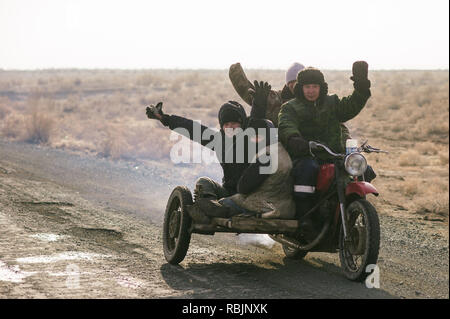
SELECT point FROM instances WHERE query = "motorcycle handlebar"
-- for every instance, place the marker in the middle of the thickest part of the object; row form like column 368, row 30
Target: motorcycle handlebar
column 315, row 145
column 369, row 149
column 363, row 148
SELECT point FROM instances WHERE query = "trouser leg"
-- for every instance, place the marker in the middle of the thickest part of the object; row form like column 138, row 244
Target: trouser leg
column 235, row 208
column 206, row 193
column 305, row 173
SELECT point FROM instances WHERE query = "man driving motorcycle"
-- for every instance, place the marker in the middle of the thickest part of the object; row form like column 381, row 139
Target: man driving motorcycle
column 313, row 115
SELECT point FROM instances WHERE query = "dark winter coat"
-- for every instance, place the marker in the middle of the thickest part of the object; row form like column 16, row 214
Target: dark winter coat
column 231, row 171
column 320, row 120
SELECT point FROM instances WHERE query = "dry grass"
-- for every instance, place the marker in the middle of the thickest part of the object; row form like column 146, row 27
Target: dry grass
column 443, row 158
column 102, row 112
column 412, row 158
column 411, row 187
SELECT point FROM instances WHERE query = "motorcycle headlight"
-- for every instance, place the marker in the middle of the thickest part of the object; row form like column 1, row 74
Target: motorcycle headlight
column 355, row 164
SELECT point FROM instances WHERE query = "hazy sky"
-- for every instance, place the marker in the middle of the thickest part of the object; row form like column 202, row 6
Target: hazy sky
column 394, row 34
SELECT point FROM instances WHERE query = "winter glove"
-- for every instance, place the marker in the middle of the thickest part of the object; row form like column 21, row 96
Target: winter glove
column 155, row 112
column 297, row 146
column 360, row 71
column 259, row 96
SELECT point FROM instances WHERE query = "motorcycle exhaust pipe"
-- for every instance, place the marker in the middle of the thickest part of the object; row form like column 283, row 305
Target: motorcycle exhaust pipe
column 293, row 243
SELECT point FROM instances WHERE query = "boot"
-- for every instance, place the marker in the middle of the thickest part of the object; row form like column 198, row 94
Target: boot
column 197, row 214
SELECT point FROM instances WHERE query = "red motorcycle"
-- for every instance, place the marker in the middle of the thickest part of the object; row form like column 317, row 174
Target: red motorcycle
column 347, row 221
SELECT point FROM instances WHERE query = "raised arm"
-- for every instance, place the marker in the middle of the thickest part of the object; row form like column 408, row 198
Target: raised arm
column 240, row 82
column 192, row 130
column 259, row 99
column 350, row 106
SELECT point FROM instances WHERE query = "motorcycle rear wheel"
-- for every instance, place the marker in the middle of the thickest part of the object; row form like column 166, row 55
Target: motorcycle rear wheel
column 362, row 248
column 176, row 235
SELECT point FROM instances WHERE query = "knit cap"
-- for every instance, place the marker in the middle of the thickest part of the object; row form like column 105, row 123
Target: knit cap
column 291, row 73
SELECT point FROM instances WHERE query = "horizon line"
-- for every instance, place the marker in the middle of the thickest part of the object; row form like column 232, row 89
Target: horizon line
column 195, row 69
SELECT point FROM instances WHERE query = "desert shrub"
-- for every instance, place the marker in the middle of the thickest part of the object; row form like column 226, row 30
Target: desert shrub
column 432, row 197
column 394, row 106
column 74, row 145
column 437, row 204
column 176, row 85
column 192, row 79
column 113, row 144
column 438, row 129
column 38, row 128
column 13, row 126
column 426, row 148
column 411, row 187
column 42, row 81
column 148, row 79
column 4, row 110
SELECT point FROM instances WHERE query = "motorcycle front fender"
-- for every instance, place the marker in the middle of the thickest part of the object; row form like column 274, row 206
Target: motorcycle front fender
column 361, row 189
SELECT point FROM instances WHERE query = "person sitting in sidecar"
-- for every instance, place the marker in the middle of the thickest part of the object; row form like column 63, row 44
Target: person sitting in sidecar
column 265, row 187
column 233, row 120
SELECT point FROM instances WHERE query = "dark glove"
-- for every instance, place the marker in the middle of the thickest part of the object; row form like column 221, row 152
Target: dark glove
column 155, row 112
column 360, row 71
column 297, row 146
column 259, row 96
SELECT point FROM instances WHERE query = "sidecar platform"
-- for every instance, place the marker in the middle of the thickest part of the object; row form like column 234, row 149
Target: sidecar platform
column 237, row 224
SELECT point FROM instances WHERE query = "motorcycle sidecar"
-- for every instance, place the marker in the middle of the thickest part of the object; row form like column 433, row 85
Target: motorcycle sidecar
column 178, row 225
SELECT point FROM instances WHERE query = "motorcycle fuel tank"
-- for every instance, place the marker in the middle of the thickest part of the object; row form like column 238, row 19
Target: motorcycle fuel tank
column 325, row 177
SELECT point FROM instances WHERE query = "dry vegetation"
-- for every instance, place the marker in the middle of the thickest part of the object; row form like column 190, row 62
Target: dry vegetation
column 103, row 112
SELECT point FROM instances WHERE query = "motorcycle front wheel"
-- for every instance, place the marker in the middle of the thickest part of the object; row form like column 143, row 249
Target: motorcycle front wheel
column 176, row 234
column 363, row 243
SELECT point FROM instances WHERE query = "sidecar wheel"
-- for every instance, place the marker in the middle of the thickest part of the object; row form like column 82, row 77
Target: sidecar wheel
column 176, row 235
column 364, row 240
column 294, row 253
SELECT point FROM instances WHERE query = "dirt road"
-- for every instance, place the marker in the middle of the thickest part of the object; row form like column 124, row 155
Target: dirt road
column 77, row 226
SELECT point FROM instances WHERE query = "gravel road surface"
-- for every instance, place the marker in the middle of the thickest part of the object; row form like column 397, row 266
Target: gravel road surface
column 79, row 226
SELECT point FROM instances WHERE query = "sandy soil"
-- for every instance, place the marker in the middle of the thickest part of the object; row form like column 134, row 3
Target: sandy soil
column 76, row 226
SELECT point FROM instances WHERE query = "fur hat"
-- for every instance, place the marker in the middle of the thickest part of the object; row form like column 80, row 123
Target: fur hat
column 232, row 111
column 310, row 75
